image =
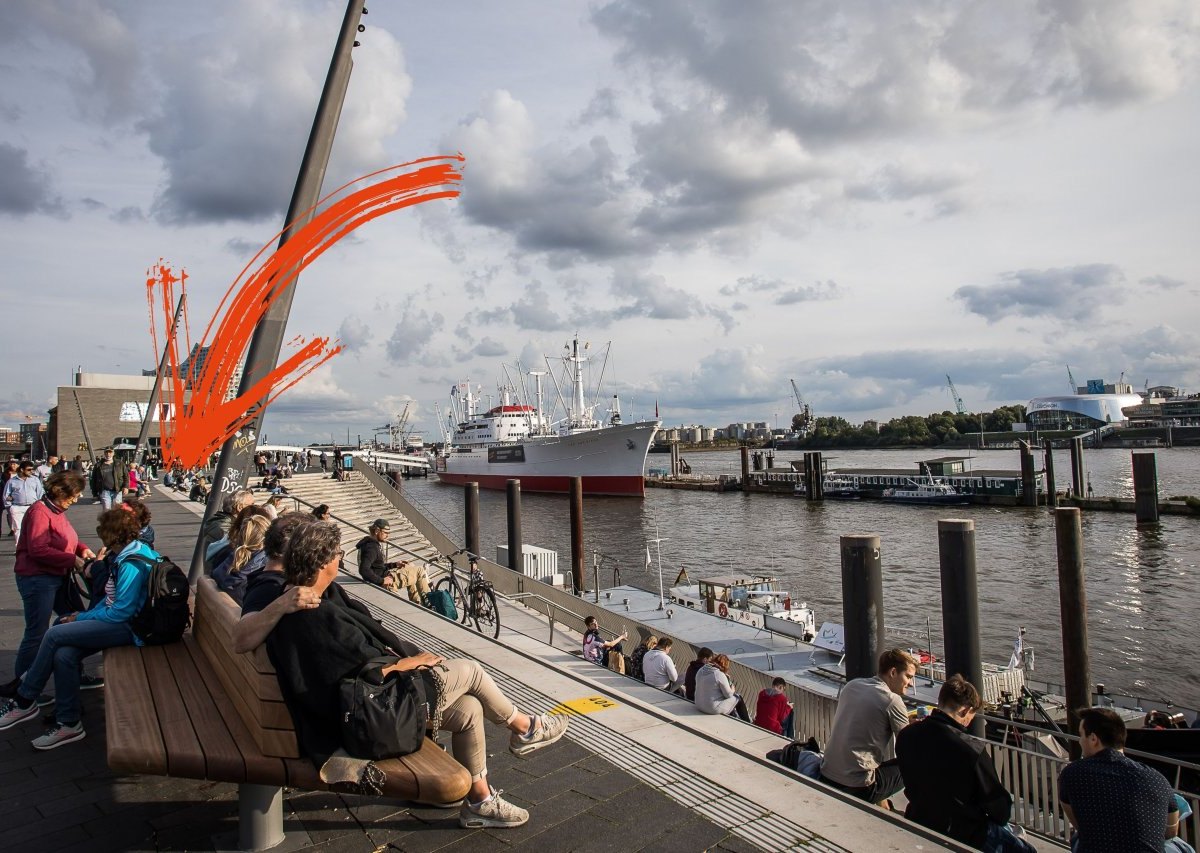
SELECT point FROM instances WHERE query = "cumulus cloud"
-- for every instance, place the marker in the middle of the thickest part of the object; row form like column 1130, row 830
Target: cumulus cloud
column 1162, row 282
column 783, row 293
column 231, row 138
column 128, row 214
column 648, row 295
column 354, row 334
column 489, row 347
column 25, row 187
column 1066, row 294
column 602, row 107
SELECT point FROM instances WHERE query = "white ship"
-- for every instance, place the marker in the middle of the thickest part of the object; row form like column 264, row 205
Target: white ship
column 517, row 440
column 756, row 601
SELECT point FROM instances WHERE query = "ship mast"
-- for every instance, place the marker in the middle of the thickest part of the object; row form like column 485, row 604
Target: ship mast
column 537, row 381
column 577, row 405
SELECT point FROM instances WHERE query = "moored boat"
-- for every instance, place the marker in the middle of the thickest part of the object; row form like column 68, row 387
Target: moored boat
column 517, row 440
column 925, row 493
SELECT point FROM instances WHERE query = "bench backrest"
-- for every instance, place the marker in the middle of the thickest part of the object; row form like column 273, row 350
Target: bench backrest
column 249, row 678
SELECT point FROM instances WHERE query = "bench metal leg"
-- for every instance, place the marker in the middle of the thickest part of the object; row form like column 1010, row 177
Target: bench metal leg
column 260, row 817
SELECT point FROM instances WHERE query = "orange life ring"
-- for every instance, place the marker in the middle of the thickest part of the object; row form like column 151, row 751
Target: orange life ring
column 722, row 609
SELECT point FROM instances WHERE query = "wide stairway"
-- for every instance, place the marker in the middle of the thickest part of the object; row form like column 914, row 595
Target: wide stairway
column 354, row 504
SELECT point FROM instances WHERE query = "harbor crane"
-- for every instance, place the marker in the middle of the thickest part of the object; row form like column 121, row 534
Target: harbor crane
column 805, row 415
column 958, row 401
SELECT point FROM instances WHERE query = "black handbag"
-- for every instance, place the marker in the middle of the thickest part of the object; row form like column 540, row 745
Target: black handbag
column 384, row 717
column 70, row 595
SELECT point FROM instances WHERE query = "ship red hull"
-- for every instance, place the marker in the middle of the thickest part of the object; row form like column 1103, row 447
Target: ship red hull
column 628, row 486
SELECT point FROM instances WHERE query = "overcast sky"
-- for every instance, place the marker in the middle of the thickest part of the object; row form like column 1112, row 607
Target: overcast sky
column 862, row 196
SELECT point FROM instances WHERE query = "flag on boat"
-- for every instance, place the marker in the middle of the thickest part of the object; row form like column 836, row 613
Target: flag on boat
column 648, row 562
column 1017, row 661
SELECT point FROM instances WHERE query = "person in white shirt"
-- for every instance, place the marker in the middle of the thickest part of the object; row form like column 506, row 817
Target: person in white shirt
column 658, row 668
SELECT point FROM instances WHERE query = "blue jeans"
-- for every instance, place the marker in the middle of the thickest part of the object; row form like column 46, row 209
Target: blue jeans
column 63, row 649
column 110, row 498
column 37, row 594
column 1000, row 839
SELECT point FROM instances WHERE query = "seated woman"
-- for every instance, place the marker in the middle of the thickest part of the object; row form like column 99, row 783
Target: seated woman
column 714, row 693
column 247, row 555
column 314, row 649
column 78, row 635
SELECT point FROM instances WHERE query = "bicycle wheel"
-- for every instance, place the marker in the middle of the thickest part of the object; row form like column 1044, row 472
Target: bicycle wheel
column 450, row 584
column 487, row 617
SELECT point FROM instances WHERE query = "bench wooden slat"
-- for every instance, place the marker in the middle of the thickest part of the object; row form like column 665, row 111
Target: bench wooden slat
column 223, row 760
column 260, row 769
column 184, row 755
column 262, row 683
column 279, row 743
column 130, row 722
column 268, row 710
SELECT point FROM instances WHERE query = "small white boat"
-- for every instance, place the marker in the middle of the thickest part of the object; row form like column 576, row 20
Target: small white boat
column 753, row 600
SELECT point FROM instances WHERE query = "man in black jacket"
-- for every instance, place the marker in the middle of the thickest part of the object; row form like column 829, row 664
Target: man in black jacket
column 950, row 783
column 110, row 479
column 374, row 569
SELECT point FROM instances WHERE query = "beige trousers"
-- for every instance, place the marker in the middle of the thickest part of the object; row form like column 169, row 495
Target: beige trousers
column 471, row 695
column 412, row 577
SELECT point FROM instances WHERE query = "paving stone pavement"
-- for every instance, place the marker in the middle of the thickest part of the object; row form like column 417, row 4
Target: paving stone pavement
column 69, row 800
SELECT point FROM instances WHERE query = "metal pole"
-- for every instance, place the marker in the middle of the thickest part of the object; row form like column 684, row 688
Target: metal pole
column 1077, row 477
column 577, row 534
column 596, row 574
column 263, row 353
column 862, row 603
column 516, row 556
column 144, row 433
column 1145, row 488
column 471, row 519
column 960, row 603
column 1072, row 599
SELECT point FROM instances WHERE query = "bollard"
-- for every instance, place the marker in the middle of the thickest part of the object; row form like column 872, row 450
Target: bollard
column 1145, row 488
column 745, row 465
column 471, row 517
column 1072, row 598
column 862, row 603
column 577, row 534
column 818, row 477
column 516, row 556
column 1029, row 494
column 1051, row 486
column 960, row 604
column 1078, row 480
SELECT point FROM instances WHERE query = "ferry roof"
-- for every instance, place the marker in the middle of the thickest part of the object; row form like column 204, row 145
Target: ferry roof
column 916, row 475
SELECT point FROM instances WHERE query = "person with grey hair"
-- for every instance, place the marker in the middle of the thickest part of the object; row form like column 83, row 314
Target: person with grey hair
column 313, row 649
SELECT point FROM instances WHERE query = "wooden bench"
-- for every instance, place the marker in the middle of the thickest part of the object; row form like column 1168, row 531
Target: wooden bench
column 197, row 710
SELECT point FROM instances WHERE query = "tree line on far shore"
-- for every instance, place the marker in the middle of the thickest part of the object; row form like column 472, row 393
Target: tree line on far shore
column 939, row 428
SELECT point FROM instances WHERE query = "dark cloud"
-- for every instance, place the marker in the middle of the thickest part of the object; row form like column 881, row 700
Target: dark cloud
column 648, row 295
column 242, row 248
column 835, row 72
column 819, row 291
column 490, row 348
column 25, row 187
column 532, row 310
column 128, row 214
column 1066, row 294
column 91, row 204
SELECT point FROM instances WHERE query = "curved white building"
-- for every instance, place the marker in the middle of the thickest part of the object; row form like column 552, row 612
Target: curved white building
column 1079, row 411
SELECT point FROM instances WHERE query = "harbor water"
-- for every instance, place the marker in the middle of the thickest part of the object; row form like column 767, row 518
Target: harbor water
column 1142, row 583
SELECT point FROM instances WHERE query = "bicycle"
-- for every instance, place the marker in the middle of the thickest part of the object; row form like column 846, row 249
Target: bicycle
column 477, row 602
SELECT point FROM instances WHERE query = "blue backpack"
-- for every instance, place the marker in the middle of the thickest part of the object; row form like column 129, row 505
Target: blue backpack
column 442, row 603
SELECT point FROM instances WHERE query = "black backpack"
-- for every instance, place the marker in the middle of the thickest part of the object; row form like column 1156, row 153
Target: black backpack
column 166, row 614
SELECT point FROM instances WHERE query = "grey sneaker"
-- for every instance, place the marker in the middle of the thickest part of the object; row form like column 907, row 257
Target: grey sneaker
column 547, row 729
column 90, row 682
column 58, row 735
column 11, row 714
column 496, row 812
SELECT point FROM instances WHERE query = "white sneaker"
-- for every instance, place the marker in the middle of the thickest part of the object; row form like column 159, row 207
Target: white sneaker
column 58, row 735
column 11, row 714
column 493, row 812
column 547, row 729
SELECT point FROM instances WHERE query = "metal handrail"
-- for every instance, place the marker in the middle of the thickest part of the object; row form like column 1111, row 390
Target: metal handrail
column 552, row 607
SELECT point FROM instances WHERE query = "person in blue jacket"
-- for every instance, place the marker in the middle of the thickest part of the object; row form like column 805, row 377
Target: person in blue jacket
column 78, row 635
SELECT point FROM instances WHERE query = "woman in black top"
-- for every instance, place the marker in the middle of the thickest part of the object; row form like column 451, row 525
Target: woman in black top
column 313, row 650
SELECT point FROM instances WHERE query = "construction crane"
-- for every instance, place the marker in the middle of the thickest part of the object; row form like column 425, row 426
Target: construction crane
column 1071, row 381
column 958, row 402
column 805, row 409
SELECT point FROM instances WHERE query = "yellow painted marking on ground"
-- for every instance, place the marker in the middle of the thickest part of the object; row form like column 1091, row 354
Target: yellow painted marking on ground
column 586, row 705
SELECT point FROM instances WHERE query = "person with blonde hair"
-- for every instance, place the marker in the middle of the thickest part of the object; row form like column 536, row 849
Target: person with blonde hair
column 247, row 555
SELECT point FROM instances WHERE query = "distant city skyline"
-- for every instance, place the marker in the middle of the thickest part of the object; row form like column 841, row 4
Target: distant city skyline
column 860, row 197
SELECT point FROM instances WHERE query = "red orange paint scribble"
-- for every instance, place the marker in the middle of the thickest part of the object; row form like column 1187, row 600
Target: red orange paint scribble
column 207, row 420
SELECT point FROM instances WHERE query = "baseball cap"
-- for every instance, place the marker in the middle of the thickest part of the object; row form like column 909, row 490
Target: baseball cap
column 380, row 524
